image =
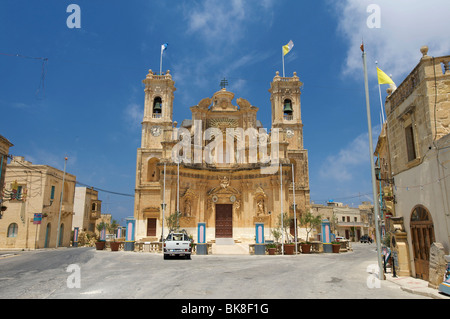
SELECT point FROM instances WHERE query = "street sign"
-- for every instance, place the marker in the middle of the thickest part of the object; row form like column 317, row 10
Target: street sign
column 37, row 218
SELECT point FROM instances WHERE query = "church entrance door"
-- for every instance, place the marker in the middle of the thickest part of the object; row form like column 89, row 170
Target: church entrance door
column 224, row 221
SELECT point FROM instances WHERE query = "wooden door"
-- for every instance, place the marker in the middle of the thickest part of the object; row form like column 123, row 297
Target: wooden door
column 151, row 227
column 224, row 221
column 422, row 236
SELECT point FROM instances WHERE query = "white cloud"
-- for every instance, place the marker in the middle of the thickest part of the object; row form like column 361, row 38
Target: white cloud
column 342, row 166
column 223, row 21
column 133, row 115
column 405, row 26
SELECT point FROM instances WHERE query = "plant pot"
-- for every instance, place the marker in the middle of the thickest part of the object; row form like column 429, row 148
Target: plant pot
column 272, row 251
column 289, row 249
column 114, row 246
column 100, row 245
column 306, row 248
column 336, row 248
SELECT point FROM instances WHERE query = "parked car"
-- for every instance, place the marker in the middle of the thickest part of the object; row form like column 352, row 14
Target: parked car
column 178, row 244
column 365, row 239
column 339, row 238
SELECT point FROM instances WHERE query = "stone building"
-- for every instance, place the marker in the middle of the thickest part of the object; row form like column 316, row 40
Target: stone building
column 417, row 139
column 228, row 175
column 4, row 150
column 87, row 209
column 32, row 189
column 348, row 222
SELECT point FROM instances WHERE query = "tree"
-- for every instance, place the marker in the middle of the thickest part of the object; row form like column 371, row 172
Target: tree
column 282, row 227
column 310, row 222
column 113, row 227
column 172, row 221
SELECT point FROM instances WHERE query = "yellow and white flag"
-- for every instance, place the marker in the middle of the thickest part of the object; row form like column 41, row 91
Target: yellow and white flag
column 288, row 47
column 383, row 78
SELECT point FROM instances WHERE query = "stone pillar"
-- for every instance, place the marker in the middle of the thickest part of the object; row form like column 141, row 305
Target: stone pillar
column 130, row 235
column 202, row 248
column 260, row 247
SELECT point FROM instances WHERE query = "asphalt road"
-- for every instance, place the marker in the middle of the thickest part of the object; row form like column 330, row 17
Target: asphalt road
column 95, row 274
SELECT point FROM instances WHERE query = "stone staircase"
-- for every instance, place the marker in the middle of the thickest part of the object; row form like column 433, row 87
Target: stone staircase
column 228, row 246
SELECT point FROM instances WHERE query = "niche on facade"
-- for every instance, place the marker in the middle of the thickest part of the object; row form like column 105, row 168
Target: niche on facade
column 189, row 208
column 153, row 170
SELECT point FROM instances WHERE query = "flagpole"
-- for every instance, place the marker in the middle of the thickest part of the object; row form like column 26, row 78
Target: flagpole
column 164, row 203
column 281, row 202
column 295, row 210
column 160, row 63
column 282, row 56
column 372, row 166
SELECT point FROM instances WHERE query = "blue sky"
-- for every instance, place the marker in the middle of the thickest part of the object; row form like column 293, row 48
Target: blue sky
column 87, row 101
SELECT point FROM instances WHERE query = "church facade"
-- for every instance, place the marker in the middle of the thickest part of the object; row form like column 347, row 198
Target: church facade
column 221, row 167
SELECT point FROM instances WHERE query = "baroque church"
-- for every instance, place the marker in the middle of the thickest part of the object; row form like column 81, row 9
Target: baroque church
column 221, row 167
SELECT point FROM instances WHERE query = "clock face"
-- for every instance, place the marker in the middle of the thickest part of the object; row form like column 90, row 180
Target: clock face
column 289, row 133
column 156, row 130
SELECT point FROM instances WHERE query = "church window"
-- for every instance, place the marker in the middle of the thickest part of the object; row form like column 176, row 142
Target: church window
column 287, row 109
column 153, row 170
column 12, row 230
column 157, row 110
column 410, row 148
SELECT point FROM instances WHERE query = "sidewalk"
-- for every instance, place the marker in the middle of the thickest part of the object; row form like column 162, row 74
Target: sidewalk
column 416, row 286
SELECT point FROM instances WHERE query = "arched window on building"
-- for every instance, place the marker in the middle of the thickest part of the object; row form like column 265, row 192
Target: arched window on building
column 157, row 107
column 12, row 230
column 287, row 109
column 152, row 170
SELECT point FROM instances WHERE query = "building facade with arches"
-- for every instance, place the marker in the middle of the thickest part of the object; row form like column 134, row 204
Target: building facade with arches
column 36, row 189
column 220, row 167
column 414, row 170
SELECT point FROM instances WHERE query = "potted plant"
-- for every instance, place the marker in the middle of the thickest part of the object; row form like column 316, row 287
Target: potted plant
column 100, row 244
column 306, row 247
column 310, row 222
column 289, row 248
column 271, row 248
column 112, row 229
column 336, row 246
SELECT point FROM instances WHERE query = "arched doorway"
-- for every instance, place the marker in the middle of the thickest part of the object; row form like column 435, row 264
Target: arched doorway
column 61, row 235
column 47, row 236
column 422, row 236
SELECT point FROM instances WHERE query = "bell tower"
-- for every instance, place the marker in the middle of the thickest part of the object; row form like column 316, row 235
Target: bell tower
column 286, row 109
column 158, row 109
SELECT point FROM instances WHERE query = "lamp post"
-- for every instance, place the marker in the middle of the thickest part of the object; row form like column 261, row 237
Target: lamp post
column 60, row 204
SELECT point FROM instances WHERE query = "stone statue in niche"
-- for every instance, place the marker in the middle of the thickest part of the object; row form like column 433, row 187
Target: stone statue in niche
column 187, row 207
column 260, row 207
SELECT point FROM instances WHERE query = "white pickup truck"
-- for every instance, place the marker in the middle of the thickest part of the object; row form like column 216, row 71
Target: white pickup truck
column 178, row 244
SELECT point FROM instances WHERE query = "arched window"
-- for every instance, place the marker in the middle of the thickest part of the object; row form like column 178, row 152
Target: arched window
column 12, row 230
column 287, row 109
column 152, row 170
column 157, row 105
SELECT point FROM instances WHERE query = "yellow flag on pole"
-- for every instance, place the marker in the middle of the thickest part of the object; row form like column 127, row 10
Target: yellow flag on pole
column 288, row 47
column 383, row 78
